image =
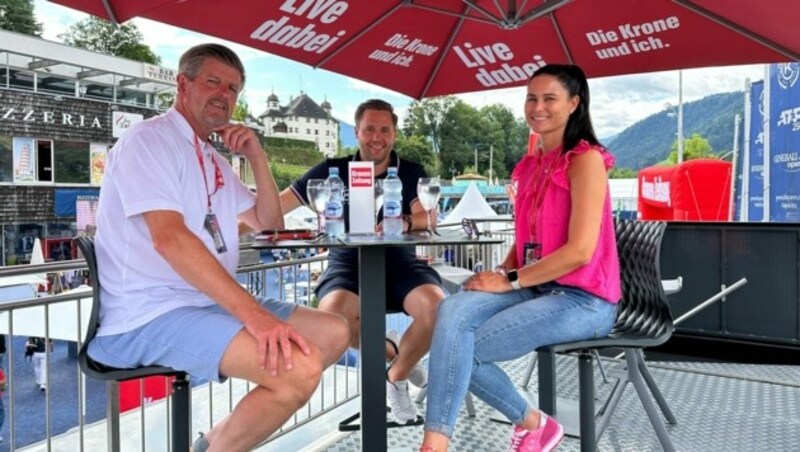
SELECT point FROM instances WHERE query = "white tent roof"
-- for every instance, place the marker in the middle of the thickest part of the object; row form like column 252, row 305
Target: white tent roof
column 63, row 318
column 624, row 188
column 300, row 218
column 472, row 205
column 32, row 280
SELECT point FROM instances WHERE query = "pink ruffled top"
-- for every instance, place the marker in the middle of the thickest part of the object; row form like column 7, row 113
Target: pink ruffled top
column 601, row 275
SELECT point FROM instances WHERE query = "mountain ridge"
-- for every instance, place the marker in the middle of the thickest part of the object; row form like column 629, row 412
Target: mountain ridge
column 649, row 141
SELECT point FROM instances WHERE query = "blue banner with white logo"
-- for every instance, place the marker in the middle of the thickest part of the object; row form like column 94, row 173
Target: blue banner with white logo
column 755, row 189
column 784, row 143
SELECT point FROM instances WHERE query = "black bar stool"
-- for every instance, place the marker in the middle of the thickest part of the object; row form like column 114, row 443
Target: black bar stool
column 181, row 397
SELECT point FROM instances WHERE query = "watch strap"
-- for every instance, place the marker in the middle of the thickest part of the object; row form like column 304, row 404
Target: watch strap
column 513, row 279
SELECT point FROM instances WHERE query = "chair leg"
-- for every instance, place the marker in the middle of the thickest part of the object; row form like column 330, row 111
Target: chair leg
column 112, row 416
column 181, row 413
column 600, row 365
column 421, row 394
column 547, row 382
column 662, row 402
column 607, row 410
column 526, row 377
column 586, row 383
column 638, row 382
column 469, row 402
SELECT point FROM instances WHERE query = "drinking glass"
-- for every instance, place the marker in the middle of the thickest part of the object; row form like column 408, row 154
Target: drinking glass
column 428, row 190
column 378, row 197
column 318, row 193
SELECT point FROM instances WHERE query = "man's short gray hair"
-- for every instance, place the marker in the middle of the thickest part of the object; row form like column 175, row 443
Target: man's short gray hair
column 192, row 60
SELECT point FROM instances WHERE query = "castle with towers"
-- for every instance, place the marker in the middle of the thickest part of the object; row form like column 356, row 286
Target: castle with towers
column 301, row 119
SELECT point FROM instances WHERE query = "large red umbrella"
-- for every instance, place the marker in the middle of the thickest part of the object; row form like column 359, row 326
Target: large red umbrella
column 425, row 48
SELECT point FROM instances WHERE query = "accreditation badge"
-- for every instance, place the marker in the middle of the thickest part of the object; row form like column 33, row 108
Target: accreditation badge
column 212, row 226
column 533, row 252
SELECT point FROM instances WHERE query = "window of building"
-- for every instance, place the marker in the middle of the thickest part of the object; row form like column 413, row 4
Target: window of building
column 316, row 131
column 308, row 120
column 19, row 240
column 316, row 121
column 71, row 162
column 20, row 79
column 44, row 160
column 308, row 131
column 131, row 97
column 32, row 160
column 6, row 160
column 55, row 85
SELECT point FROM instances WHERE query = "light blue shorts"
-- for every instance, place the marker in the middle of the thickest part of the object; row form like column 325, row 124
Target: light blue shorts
column 191, row 339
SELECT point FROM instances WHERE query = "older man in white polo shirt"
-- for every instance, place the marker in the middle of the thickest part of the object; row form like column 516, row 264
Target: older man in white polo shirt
column 167, row 249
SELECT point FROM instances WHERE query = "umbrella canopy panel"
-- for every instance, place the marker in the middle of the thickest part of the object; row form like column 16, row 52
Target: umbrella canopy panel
column 425, row 48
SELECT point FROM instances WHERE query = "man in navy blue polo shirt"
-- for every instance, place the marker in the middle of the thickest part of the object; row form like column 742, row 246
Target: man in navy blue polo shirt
column 412, row 287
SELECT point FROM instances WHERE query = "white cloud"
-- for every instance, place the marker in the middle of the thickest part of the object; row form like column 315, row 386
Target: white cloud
column 359, row 85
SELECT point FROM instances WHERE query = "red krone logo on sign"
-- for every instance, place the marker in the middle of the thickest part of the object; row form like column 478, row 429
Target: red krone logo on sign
column 360, row 177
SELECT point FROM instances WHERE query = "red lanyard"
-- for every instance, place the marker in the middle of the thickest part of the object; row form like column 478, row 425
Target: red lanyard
column 219, row 182
column 539, row 183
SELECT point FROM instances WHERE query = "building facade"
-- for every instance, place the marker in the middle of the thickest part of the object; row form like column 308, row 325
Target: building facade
column 61, row 109
column 302, row 119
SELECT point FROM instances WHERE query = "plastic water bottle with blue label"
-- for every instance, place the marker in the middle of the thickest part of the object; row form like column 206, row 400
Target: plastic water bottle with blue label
column 334, row 208
column 392, row 204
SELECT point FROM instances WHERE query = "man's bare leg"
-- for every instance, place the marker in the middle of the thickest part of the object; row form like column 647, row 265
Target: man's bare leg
column 346, row 304
column 421, row 304
column 264, row 409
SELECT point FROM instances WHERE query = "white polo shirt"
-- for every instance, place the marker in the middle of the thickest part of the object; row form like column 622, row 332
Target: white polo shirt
column 154, row 166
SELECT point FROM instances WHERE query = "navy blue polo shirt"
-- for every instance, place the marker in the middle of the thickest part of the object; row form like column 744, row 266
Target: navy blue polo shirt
column 409, row 173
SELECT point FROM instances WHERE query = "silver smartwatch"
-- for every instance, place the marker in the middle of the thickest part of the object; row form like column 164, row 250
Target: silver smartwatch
column 513, row 278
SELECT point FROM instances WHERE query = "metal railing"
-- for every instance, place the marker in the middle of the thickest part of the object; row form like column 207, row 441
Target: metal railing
column 63, row 318
column 96, row 414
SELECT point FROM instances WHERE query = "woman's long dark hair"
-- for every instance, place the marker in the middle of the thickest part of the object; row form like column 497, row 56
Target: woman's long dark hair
column 579, row 124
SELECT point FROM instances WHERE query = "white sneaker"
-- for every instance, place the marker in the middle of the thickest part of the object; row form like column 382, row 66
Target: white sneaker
column 403, row 409
column 419, row 375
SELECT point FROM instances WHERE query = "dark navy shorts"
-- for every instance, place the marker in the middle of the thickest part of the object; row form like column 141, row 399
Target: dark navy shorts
column 401, row 278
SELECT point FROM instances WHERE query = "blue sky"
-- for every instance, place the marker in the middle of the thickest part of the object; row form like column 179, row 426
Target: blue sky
column 617, row 102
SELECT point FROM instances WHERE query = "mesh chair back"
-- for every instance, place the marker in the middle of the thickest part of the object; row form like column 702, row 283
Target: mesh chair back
column 643, row 312
column 89, row 366
column 86, row 246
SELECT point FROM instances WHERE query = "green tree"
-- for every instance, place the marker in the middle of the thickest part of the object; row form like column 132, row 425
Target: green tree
column 102, row 36
column 165, row 99
column 17, row 15
column 622, row 173
column 417, row 149
column 694, row 147
column 464, row 133
column 425, row 119
column 242, row 109
column 459, row 132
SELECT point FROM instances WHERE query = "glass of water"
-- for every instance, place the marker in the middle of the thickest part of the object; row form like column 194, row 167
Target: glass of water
column 318, row 192
column 428, row 190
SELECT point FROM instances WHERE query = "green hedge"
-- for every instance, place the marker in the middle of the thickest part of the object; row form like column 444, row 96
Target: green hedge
column 269, row 142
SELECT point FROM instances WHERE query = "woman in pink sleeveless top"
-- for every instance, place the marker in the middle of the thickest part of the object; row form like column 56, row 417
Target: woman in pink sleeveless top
column 559, row 283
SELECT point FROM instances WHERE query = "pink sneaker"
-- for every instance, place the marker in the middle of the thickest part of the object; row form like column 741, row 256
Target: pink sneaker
column 542, row 439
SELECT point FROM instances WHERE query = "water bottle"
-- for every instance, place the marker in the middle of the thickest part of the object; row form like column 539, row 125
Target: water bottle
column 392, row 204
column 334, row 208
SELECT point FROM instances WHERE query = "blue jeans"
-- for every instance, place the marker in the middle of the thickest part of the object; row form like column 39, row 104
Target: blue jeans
column 475, row 330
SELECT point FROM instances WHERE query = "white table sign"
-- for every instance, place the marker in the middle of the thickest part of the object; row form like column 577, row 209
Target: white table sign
column 362, row 197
